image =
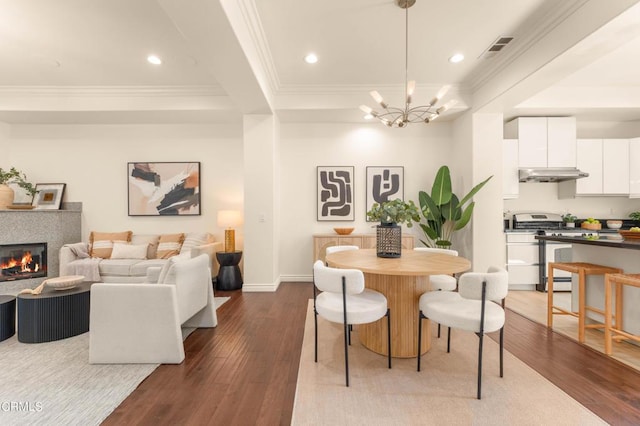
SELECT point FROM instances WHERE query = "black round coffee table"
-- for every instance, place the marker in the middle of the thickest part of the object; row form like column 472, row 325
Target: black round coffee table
column 53, row 314
column 7, row 317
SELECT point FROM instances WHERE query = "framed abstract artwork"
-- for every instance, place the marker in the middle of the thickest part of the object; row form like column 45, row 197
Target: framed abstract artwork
column 384, row 184
column 164, row 189
column 335, row 194
column 49, row 196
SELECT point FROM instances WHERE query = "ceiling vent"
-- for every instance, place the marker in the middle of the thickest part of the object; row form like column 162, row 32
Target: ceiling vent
column 496, row 47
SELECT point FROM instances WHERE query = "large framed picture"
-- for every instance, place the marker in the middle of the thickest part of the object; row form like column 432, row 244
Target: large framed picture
column 335, row 193
column 164, row 189
column 48, row 196
column 384, row 184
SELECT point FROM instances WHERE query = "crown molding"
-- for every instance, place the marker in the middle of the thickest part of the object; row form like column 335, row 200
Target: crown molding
column 120, row 91
column 254, row 28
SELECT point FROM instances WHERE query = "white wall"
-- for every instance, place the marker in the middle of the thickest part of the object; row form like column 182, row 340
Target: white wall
column 421, row 149
column 92, row 161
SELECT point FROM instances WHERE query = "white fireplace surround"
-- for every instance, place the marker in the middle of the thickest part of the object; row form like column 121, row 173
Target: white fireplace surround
column 55, row 227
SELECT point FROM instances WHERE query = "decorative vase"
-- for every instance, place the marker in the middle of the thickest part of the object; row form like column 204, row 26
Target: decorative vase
column 570, row 224
column 6, row 196
column 388, row 240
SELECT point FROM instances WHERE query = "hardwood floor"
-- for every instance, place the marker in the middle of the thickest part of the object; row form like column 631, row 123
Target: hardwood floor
column 244, row 371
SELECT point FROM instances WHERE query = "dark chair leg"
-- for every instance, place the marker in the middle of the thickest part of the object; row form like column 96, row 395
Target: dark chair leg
column 480, row 364
column 346, row 352
column 389, row 335
column 448, row 339
column 501, row 351
column 350, row 328
column 438, row 330
column 420, row 317
column 315, row 319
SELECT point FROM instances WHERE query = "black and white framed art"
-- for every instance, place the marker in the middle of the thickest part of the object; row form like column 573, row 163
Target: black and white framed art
column 335, row 193
column 384, row 184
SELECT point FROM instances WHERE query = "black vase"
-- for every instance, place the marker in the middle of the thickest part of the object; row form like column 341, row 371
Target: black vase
column 388, row 240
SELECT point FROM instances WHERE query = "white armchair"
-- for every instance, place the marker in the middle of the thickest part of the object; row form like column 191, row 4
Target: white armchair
column 142, row 323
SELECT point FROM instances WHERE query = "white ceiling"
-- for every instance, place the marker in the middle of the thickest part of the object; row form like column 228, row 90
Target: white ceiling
column 84, row 61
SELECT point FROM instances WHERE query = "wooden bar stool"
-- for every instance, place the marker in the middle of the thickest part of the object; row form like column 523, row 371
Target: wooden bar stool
column 614, row 331
column 582, row 269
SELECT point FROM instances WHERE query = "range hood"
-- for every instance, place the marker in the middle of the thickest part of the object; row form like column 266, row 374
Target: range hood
column 550, row 174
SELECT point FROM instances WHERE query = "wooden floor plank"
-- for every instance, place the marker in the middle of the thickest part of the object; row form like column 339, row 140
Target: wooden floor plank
column 244, row 371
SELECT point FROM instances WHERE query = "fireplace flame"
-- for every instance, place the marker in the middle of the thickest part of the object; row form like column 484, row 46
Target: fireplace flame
column 26, row 263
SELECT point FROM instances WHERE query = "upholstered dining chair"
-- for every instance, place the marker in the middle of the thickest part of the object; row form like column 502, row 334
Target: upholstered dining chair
column 336, row 249
column 478, row 307
column 441, row 285
column 343, row 299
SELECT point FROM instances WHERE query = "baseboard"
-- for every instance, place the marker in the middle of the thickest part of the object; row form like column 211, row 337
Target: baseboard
column 296, row 278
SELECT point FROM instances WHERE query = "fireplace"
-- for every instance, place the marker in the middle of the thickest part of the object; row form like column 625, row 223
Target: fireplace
column 23, row 261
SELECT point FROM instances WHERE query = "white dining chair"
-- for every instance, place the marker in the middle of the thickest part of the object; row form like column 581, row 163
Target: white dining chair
column 477, row 307
column 344, row 299
column 441, row 285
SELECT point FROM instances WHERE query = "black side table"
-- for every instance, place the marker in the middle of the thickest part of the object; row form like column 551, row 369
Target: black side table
column 229, row 276
column 7, row 317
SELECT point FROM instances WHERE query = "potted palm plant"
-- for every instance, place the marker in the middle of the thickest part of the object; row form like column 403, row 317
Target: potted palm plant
column 13, row 176
column 389, row 233
column 443, row 211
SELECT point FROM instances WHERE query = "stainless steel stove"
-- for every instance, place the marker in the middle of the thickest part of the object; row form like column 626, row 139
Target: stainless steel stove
column 527, row 256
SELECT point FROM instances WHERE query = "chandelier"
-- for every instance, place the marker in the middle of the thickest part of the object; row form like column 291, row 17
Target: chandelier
column 400, row 117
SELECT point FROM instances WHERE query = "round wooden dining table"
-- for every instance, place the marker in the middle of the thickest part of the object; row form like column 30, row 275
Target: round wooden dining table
column 402, row 280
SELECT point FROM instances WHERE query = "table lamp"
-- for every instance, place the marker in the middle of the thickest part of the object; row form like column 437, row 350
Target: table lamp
column 229, row 219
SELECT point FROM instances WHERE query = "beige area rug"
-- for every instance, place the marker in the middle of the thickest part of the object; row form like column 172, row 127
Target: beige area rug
column 443, row 393
column 53, row 383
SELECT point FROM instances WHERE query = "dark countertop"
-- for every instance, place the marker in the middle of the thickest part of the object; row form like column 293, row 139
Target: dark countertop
column 602, row 241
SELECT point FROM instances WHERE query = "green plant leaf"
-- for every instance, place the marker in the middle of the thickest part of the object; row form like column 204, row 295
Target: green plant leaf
column 466, row 217
column 430, row 210
column 474, row 190
column 429, row 232
column 441, row 190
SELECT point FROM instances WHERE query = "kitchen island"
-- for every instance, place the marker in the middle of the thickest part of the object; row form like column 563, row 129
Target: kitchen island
column 608, row 250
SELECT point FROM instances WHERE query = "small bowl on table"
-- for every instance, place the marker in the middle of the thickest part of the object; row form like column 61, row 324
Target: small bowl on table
column 614, row 224
column 343, row 231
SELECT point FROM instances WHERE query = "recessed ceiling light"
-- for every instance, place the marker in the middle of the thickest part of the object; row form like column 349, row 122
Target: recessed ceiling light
column 311, row 58
column 458, row 57
column 153, row 59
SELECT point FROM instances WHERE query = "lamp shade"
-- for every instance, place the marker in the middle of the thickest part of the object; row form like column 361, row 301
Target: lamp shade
column 229, row 218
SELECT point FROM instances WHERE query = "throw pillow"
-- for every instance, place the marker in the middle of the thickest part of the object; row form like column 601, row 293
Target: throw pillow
column 150, row 239
column 195, row 239
column 129, row 251
column 169, row 245
column 101, row 243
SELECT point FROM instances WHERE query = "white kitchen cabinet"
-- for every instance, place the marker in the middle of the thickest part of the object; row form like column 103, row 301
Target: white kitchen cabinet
column 532, row 141
column 589, row 159
column 634, row 170
column 606, row 162
column 561, row 142
column 615, row 165
column 544, row 141
column 510, row 183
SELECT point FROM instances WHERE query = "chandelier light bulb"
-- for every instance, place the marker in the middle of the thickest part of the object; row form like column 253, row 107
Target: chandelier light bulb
column 366, row 109
column 411, row 87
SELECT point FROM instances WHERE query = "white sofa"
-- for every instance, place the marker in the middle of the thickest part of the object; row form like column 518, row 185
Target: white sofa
column 74, row 259
column 138, row 323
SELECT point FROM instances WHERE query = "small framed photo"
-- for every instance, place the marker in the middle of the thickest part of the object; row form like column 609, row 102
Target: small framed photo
column 384, row 184
column 335, row 194
column 49, row 196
